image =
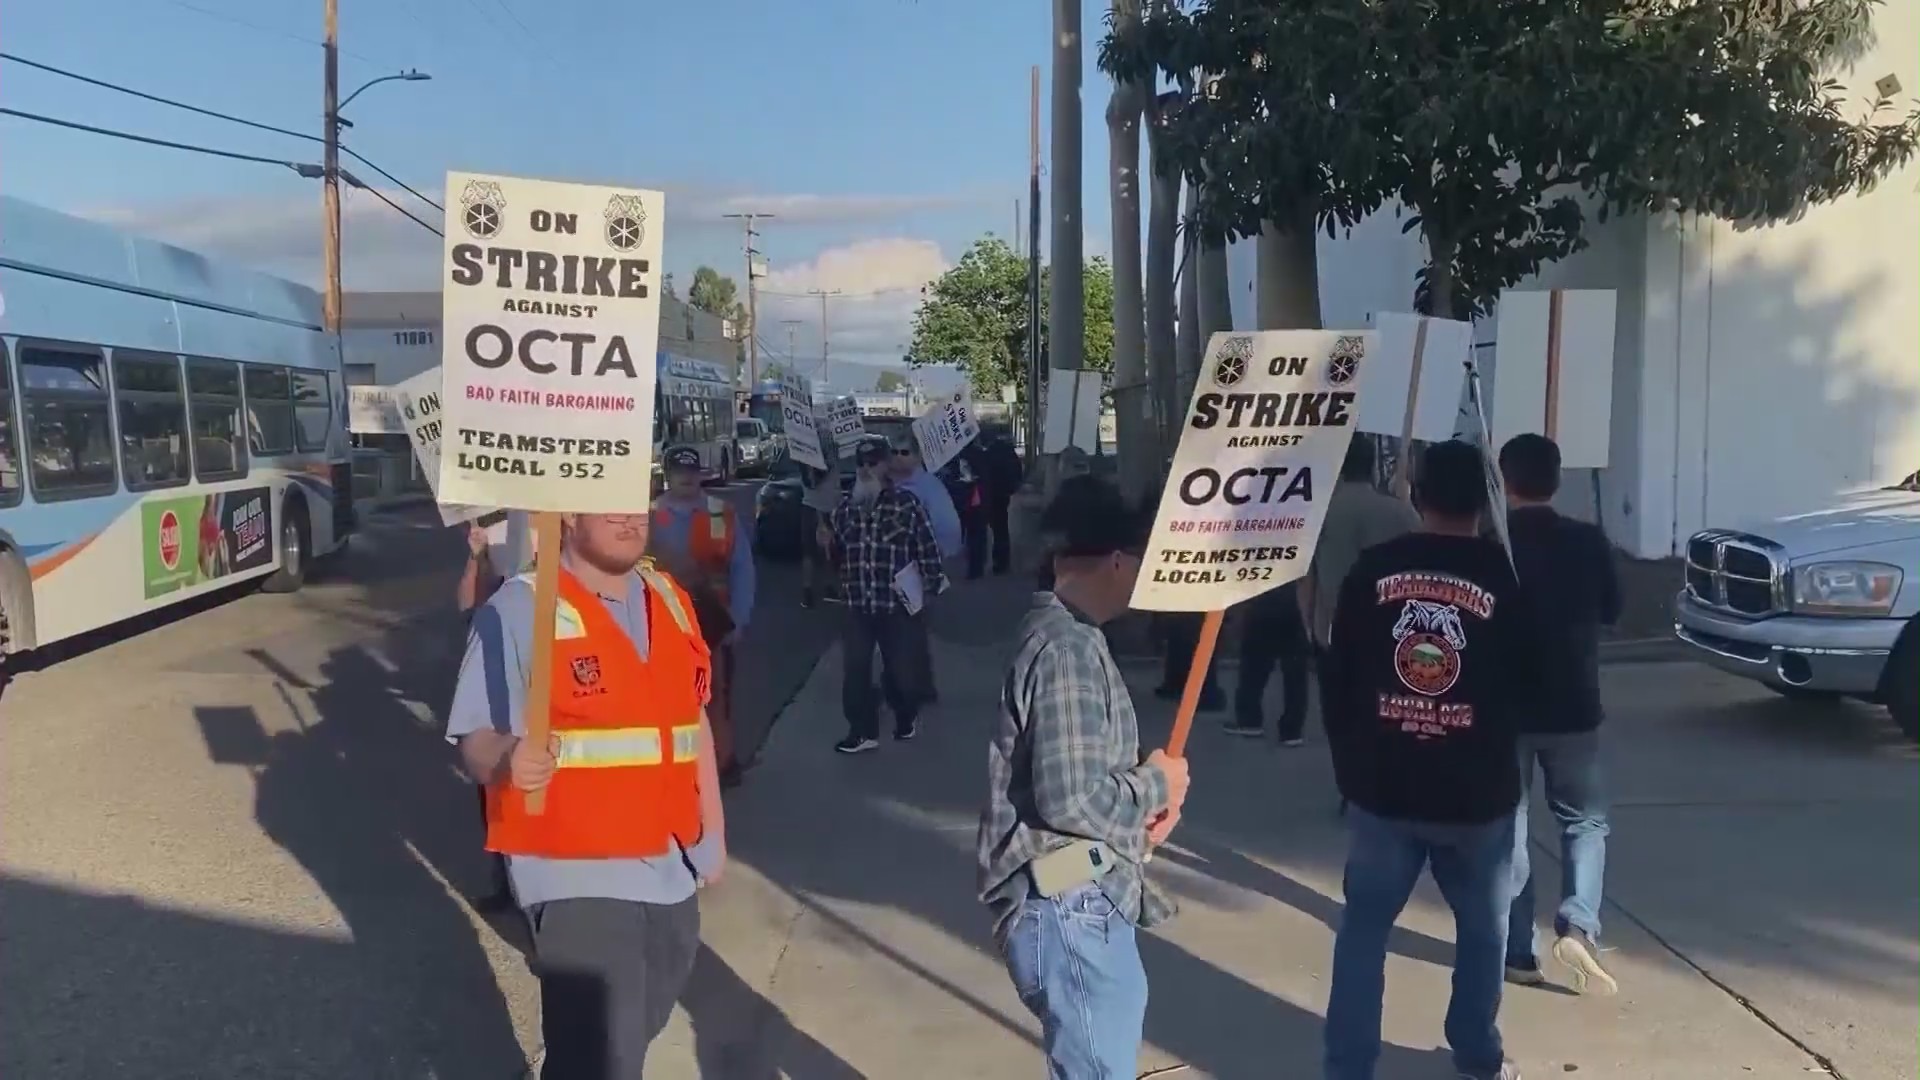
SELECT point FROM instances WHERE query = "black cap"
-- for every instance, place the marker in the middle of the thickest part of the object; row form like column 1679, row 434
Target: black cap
column 872, row 450
column 1089, row 517
column 680, row 457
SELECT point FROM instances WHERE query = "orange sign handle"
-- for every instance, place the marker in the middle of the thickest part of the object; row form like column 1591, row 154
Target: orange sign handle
column 1403, row 470
column 1196, row 676
column 546, row 602
column 1554, row 323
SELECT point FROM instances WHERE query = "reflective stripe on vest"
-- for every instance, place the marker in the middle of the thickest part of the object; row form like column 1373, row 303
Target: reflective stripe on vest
column 716, row 520
column 623, row 747
column 566, row 621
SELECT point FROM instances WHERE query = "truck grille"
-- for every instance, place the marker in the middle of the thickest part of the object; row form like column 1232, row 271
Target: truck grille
column 1737, row 573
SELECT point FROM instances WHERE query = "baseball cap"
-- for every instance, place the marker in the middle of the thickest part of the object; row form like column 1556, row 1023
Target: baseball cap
column 680, row 457
column 1089, row 517
column 872, row 450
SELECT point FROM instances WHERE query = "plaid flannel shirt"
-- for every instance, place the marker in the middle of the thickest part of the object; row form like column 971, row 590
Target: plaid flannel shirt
column 877, row 540
column 1064, row 764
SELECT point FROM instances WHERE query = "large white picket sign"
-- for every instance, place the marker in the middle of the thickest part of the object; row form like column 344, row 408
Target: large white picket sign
column 552, row 324
column 1553, row 371
column 798, row 421
column 1265, row 433
column 945, row 429
column 1415, row 378
column 417, row 403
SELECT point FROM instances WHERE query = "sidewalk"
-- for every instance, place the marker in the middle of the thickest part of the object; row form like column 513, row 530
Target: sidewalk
column 847, row 942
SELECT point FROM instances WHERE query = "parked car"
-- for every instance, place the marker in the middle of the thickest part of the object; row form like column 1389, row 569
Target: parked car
column 1819, row 605
column 754, row 445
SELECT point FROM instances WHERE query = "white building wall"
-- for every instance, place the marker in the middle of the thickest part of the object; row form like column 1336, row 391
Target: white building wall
column 1757, row 371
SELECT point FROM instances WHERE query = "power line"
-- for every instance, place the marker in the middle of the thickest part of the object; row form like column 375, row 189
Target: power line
column 217, row 115
column 306, row 169
column 271, row 31
column 151, row 141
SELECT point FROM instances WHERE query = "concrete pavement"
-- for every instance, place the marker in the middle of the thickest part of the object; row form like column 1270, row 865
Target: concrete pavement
column 235, row 847
column 1762, row 888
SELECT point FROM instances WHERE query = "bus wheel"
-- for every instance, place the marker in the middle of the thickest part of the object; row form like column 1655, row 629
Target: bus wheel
column 295, row 543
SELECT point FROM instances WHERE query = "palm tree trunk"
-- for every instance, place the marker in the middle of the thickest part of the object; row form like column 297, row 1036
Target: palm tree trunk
column 1288, row 257
column 1163, row 224
column 1132, row 405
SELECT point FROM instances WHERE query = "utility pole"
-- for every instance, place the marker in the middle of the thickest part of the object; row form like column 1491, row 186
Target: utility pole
column 330, row 306
column 753, row 307
column 1033, row 279
column 824, row 295
column 793, row 360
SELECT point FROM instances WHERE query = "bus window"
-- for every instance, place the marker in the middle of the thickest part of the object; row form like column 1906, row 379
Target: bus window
column 153, row 421
column 9, row 454
column 213, row 407
column 312, row 410
column 269, row 409
column 69, row 423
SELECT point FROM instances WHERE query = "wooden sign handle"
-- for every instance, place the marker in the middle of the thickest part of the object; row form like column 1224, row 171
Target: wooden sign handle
column 546, row 602
column 1555, row 322
column 1196, row 677
column 1403, row 469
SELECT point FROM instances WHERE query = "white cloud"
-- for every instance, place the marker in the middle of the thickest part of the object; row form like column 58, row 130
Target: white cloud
column 879, row 282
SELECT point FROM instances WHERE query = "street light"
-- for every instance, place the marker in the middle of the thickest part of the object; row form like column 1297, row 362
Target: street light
column 410, row 75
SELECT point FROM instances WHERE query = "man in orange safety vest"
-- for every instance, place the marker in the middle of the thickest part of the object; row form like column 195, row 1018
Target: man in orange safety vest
column 697, row 537
column 632, row 826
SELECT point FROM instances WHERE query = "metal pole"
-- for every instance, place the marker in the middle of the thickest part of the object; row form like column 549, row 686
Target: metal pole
column 330, row 308
column 1033, row 279
column 753, row 305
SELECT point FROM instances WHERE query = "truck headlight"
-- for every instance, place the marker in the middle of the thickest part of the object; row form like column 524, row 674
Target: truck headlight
column 1846, row 588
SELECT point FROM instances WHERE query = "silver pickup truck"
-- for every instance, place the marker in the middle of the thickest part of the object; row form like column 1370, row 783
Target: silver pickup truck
column 1817, row 605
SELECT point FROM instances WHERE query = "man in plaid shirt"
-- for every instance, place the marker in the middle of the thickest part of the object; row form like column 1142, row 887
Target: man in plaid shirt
column 1074, row 810
column 878, row 531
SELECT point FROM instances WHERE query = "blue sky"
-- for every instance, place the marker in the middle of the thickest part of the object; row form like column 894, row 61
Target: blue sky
column 888, row 134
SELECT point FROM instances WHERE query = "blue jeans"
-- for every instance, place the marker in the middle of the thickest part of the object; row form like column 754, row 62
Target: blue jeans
column 1076, row 966
column 1577, row 797
column 1472, row 864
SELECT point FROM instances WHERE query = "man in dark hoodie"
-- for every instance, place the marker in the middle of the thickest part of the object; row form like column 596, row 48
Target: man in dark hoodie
column 1425, row 682
column 1566, row 568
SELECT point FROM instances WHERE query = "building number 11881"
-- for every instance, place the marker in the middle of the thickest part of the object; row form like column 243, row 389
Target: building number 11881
column 413, row 337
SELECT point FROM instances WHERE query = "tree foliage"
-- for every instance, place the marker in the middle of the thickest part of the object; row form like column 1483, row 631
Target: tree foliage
column 715, row 293
column 1487, row 120
column 975, row 316
column 889, row 381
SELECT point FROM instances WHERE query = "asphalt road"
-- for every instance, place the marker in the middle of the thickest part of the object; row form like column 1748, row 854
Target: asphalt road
column 235, row 843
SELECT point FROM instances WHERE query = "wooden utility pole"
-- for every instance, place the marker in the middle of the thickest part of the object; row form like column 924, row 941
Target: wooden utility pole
column 330, row 306
column 824, row 295
column 753, row 307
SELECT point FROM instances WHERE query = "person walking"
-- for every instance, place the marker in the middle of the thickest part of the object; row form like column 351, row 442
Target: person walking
column 910, row 473
column 1567, row 570
column 1074, row 810
column 1002, row 473
column 633, row 823
column 1430, row 642
column 697, row 539
column 881, row 539
column 1272, row 631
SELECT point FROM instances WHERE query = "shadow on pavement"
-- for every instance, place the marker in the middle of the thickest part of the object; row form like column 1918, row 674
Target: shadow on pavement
column 740, row 1035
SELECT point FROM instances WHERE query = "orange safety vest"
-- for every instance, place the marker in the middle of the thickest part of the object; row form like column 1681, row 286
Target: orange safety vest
column 627, row 784
column 711, row 547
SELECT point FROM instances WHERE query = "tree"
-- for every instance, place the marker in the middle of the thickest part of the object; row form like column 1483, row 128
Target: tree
column 975, row 316
column 666, row 287
column 888, row 382
column 1486, row 118
column 716, row 294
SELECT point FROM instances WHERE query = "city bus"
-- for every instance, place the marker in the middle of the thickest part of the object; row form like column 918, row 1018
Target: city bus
column 168, row 426
column 693, row 406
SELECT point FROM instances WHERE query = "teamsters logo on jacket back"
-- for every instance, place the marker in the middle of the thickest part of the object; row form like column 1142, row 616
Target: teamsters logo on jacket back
column 1428, row 639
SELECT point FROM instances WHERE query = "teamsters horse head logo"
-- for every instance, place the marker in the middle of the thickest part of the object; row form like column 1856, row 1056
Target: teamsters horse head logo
column 1230, row 363
column 626, row 222
column 485, row 209
column 1430, row 638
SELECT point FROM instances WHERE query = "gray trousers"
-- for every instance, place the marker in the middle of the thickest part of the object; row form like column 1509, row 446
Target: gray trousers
column 610, row 972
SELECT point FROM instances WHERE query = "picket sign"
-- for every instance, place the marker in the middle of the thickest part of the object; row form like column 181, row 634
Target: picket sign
column 797, row 415
column 1553, row 371
column 945, row 429
column 1411, row 389
column 548, row 375
column 417, row 407
column 1265, row 434
column 846, row 423
column 1072, row 413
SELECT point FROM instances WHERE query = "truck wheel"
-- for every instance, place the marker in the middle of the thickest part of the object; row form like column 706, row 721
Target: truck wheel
column 1902, row 682
column 296, row 542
